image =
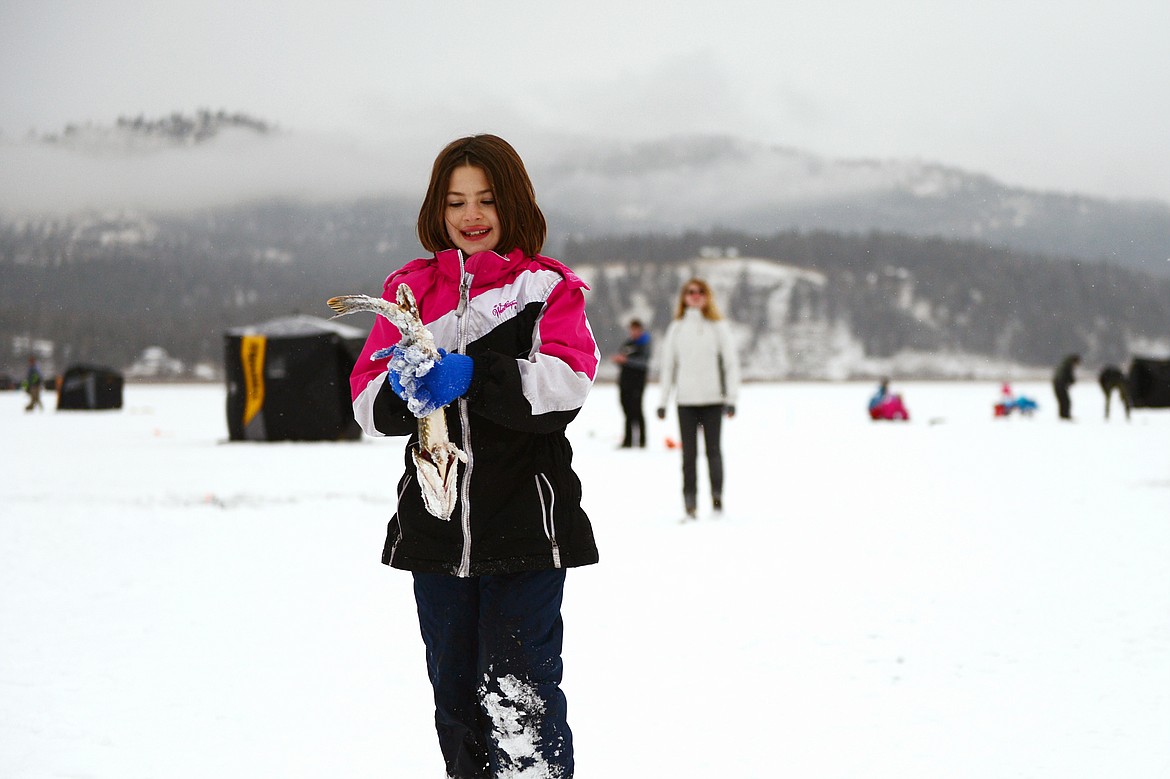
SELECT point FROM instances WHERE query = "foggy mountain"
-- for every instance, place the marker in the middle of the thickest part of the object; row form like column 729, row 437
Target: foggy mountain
column 588, row 187
column 830, row 269
column 138, row 134
column 698, row 183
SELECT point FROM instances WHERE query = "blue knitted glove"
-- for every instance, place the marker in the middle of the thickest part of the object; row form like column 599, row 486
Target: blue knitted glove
column 403, row 364
column 428, row 385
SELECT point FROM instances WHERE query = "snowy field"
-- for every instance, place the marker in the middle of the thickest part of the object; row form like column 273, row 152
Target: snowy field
column 955, row 597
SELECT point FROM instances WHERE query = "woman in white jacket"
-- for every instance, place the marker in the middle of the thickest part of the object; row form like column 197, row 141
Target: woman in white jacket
column 700, row 367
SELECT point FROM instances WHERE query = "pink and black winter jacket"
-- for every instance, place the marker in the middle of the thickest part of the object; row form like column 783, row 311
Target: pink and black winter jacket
column 522, row 320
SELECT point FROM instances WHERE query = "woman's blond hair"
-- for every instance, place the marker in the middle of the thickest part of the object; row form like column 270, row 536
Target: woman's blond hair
column 710, row 310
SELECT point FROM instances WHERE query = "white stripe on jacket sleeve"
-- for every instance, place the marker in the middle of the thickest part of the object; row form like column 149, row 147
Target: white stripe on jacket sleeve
column 363, row 405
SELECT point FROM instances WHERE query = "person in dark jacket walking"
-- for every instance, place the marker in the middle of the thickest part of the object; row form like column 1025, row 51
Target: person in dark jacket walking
column 33, row 383
column 1064, row 378
column 634, row 362
column 519, row 361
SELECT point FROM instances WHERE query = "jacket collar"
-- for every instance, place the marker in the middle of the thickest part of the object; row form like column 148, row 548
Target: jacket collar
column 486, row 267
column 448, row 262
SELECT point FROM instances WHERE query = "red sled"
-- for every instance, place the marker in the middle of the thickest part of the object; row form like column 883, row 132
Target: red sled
column 891, row 408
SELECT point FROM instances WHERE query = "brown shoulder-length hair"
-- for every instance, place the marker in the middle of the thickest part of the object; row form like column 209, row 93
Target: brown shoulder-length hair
column 710, row 310
column 522, row 224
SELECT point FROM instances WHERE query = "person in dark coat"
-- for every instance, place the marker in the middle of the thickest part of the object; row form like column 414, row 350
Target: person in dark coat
column 1064, row 378
column 634, row 362
column 33, row 381
column 1111, row 378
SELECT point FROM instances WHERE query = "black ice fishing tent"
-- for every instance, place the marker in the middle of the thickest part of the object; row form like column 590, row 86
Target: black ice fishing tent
column 1149, row 383
column 89, row 388
column 288, row 379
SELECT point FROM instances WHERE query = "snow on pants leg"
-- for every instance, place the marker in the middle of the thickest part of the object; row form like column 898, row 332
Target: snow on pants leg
column 508, row 715
column 690, row 419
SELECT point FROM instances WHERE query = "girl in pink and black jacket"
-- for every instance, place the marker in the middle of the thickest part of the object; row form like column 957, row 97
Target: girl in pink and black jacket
column 519, row 361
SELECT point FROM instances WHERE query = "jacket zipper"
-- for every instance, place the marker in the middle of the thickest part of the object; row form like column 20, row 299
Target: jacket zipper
column 465, row 426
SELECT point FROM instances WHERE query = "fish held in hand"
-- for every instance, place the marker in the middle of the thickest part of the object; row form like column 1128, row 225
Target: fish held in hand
column 436, row 458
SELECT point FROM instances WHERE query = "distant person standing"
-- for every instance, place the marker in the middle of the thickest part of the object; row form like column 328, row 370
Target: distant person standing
column 33, row 381
column 1113, row 378
column 700, row 368
column 1064, row 378
column 634, row 362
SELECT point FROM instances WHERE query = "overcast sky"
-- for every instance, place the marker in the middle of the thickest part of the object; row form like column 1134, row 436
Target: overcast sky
column 1071, row 95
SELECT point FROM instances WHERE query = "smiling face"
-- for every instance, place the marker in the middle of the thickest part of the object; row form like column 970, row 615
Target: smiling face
column 697, row 294
column 473, row 225
column 694, row 295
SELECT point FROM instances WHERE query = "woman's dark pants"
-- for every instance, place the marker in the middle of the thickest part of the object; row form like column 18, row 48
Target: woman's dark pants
column 690, row 419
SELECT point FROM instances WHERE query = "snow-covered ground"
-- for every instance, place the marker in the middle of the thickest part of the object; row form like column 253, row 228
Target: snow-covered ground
column 957, row 596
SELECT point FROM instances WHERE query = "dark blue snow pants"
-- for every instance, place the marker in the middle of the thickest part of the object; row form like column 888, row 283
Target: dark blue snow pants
column 494, row 659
